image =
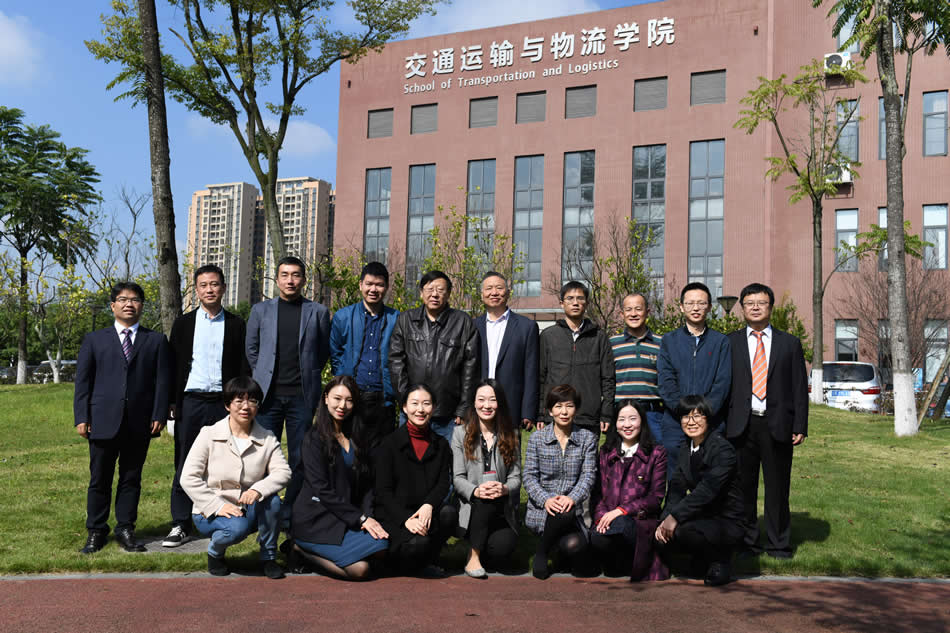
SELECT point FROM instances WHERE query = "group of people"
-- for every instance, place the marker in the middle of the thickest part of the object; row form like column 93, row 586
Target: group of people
column 417, row 437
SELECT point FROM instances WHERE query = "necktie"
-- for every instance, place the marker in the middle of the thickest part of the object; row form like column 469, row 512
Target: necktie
column 127, row 343
column 760, row 369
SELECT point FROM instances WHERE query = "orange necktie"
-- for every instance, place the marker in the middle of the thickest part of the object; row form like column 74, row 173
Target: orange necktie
column 760, row 369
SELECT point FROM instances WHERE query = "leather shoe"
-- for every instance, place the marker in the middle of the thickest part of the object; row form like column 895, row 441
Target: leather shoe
column 719, row 574
column 126, row 538
column 96, row 541
column 273, row 570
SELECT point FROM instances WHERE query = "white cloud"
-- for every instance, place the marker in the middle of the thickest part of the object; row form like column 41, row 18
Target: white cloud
column 464, row 15
column 303, row 139
column 19, row 50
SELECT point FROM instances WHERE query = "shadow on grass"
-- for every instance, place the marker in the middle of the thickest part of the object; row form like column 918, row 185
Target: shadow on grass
column 805, row 529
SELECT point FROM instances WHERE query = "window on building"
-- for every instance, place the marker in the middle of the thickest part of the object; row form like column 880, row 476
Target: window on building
column 649, row 94
column 649, row 200
column 847, row 30
column 577, row 238
column 848, row 123
column 882, row 222
column 483, row 112
column 706, row 182
column 380, row 123
column 529, row 215
column 580, row 102
column 935, row 337
column 421, row 219
column 425, row 118
column 884, row 350
column 480, row 205
column 935, row 232
column 935, row 123
column 376, row 222
column 530, row 107
column 846, row 230
column 707, row 87
column 846, row 339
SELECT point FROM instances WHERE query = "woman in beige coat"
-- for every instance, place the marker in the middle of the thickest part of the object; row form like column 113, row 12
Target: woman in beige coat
column 233, row 474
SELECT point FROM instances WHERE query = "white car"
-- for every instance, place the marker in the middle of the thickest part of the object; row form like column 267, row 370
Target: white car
column 852, row 386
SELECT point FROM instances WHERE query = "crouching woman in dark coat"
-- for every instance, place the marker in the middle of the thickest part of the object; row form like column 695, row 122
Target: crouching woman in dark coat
column 627, row 494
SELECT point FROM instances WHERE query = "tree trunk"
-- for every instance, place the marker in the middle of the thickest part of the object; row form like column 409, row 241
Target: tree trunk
column 22, row 323
column 905, row 406
column 169, row 281
column 275, row 226
column 817, row 301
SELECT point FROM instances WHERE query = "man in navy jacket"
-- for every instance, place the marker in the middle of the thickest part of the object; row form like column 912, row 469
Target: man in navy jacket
column 509, row 349
column 359, row 346
column 121, row 400
column 694, row 361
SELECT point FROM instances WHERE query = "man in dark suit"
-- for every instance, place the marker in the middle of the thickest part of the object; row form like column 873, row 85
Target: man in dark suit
column 509, row 349
column 120, row 401
column 287, row 347
column 208, row 344
column 767, row 416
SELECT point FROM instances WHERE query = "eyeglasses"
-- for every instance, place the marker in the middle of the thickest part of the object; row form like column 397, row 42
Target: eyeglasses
column 133, row 300
column 694, row 417
column 695, row 304
column 753, row 304
column 251, row 402
column 435, row 292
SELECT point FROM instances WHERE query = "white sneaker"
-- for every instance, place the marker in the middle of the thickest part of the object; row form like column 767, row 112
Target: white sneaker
column 176, row 537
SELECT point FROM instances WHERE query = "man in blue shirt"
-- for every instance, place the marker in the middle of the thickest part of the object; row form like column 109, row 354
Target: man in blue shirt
column 359, row 346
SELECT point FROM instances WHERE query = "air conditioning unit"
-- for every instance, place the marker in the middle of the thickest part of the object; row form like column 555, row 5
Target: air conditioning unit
column 838, row 174
column 836, row 62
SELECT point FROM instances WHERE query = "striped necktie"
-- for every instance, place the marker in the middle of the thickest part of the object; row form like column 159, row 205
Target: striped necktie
column 127, row 343
column 760, row 369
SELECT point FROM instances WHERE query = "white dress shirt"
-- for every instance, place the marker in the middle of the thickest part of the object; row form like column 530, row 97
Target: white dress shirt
column 134, row 330
column 759, row 405
column 494, row 333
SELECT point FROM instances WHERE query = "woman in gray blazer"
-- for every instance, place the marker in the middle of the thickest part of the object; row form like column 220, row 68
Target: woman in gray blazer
column 487, row 476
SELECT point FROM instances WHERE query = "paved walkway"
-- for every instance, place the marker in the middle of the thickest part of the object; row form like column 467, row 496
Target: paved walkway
column 178, row 603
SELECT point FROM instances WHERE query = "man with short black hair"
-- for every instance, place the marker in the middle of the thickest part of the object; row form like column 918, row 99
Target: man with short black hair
column 120, row 401
column 574, row 351
column 359, row 346
column 694, row 360
column 287, row 347
column 635, row 352
column 438, row 346
column 208, row 347
column 767, row 416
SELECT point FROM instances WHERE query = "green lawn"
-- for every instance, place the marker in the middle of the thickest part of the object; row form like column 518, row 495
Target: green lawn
column 863, row 502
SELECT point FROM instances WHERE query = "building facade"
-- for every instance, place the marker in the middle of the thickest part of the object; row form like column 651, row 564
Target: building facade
column 559, row 128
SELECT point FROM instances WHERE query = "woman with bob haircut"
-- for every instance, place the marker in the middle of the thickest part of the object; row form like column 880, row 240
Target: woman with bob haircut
column 703, row 513
column 233, row 473
column 487, row 476
column 333, row 525
column 625, row 502
column 560, row 468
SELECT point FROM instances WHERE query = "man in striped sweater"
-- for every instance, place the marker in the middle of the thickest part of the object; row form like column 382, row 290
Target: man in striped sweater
column 635, row 352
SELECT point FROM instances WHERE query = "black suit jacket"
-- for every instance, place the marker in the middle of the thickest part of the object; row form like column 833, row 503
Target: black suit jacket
column 328, row 504
column 517, row 365
column 714, row 491
column 110, row 389
column 233, row 360
column 786, row 398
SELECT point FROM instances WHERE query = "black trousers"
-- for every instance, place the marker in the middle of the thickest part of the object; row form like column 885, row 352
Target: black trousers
column 377, row 412
column 419, row 550
column 711, row 539
column 197, row 412
column 488, row 530
column 756, row 447
column 129, row 450
column 561, row 532
column 618, row 546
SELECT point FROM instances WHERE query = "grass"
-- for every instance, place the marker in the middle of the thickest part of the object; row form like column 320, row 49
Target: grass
column 864, row 503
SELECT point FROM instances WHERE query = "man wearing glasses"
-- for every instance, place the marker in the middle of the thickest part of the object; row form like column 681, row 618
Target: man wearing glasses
column 120, row 402
column 694, row 361
column 208, row 344
column 768, row 416
column 438, row 346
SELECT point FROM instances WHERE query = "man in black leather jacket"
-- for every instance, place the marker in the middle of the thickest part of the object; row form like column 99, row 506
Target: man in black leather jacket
column 439, row 346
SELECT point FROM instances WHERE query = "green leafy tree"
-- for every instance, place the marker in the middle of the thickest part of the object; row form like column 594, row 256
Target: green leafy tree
column 45, row 191
column 239, row 50
column 809, row 150
column 920, row 26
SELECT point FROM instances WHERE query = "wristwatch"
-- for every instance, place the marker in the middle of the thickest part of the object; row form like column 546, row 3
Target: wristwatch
column 363, row 519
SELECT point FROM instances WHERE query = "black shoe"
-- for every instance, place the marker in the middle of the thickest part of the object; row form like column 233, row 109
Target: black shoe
column 273, row 570
column 96, row 541
column 779, row 553
column 539, row 569
column 719, row 574
column 749, row 553
column 217, row 566
column 126, row 538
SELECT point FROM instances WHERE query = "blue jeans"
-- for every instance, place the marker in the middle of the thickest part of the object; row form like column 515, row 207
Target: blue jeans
column 655, row 422
column 260, row 517
column 299, row 417
column 443, row 425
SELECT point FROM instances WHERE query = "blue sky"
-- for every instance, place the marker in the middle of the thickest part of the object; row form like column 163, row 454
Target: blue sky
column 46, row 71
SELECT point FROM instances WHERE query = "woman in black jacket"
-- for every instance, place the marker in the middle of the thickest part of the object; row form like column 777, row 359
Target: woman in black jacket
column 413, row 473
column 333, row 526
